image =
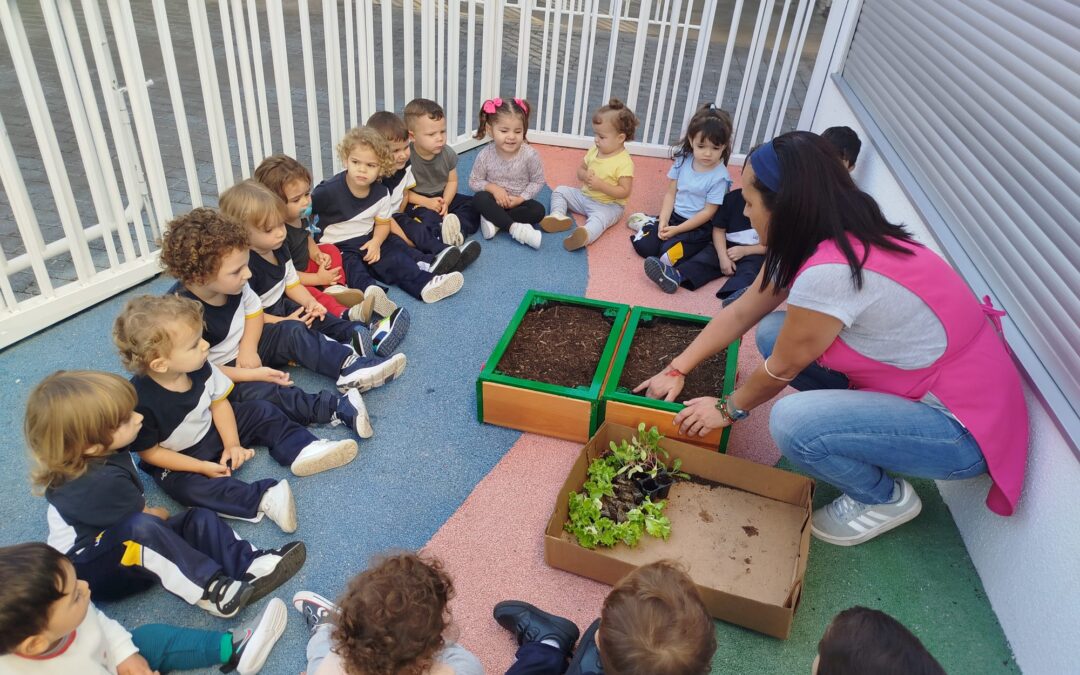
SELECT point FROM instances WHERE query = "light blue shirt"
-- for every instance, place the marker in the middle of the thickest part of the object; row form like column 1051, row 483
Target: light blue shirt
column 696, row 189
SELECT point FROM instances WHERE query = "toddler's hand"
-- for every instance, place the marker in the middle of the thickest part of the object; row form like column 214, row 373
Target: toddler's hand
column 372, row 252
column 215, row 470
column 323, row 260
column 316, row 310
column 736, row 253
column 514, row 200
column 299, row 315
column 134, row 665
column 590, row 180
column 245, row 360
column 327, row 276
column 442, row 206
column 665, row 232
column 234, row 457
column 501, row 198
column 272, row 375
column 726, row 266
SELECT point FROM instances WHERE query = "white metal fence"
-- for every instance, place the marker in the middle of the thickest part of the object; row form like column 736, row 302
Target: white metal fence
column 151, row 108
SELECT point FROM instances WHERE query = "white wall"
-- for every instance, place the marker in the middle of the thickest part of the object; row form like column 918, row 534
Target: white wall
column 1029, row 562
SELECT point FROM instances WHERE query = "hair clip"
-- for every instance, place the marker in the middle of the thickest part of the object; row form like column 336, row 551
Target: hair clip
column 520, row 102
column 491, row 105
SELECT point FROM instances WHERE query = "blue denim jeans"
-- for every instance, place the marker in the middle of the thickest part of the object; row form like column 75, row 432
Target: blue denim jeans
column 853, row 439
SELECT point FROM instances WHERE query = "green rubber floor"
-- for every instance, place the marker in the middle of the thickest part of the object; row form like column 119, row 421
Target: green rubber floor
column 920, row 574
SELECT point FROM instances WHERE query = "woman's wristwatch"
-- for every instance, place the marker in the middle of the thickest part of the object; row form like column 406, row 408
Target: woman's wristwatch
column 730, row 412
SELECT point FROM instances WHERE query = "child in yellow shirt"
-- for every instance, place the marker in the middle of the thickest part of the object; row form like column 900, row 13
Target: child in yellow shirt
column 606, row 176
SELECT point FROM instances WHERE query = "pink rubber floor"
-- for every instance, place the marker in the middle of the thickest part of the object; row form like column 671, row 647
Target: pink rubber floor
column 517, row 497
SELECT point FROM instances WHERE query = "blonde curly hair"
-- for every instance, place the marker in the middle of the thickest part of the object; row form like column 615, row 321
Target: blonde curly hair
column 366, row 137
column 143, row 332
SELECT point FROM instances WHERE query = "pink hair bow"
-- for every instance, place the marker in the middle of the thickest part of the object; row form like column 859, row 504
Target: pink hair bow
column 522, row 104
column 491, row 105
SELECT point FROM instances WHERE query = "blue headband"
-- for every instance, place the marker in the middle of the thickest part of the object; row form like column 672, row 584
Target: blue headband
column 766, row 166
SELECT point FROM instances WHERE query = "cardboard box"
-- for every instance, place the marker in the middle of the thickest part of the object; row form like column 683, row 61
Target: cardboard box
column 538, row 407
column 620, row 406
column 745, row 540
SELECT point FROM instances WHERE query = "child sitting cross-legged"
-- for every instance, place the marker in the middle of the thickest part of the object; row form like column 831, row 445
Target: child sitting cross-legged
column 653, row 623
column 208, row 254
column 606, row 175
column 507, row 173
column 392, row 620
column 418, row 227
column 48, row 626
column 275, row 281
column 354, row 211
column 79, row 426
column 318, row 266
column 193, row 439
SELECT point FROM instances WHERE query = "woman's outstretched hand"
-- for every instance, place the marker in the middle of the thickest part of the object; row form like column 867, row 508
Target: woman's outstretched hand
column 700, row 417
column 663, row 385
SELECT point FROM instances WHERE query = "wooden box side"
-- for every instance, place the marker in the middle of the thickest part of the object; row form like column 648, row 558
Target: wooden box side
column 535, row 411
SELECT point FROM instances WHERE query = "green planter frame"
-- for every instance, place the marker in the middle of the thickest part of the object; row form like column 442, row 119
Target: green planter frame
column 639, row 315
column 591, row 394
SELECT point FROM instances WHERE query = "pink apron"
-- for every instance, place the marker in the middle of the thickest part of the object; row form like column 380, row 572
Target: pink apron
column 975, row 378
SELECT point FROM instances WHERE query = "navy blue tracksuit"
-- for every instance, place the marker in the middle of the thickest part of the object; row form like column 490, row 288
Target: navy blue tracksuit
column 648, row 243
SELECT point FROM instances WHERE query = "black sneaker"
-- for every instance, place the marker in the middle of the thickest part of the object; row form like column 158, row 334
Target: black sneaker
column 252, row 643
column 272, row 568
column 587, row 657
column 224, row 597
column 316, row 609
column 470, row 251
column 663, row 275
column 530, row 624
column 389, row 333
column 445, row 261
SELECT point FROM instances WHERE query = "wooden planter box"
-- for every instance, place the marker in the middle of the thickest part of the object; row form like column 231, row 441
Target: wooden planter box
column 620, row 406
column 541, row 408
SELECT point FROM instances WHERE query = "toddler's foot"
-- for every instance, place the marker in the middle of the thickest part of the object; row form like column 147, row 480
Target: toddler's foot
column 271, row 568
column 523, row 233
column 323, row 455
column 470, row 251
column 445, row 261
column 390, row 332
column 442, row 286
column 577, row 239
column 529, row 623
column 252, row 643
column 556, row 222
column 224, row 597
column 349, row 297
column 317, row 610
column 451, row 231
column 279, row 506
column 363, row 374
column 487, row 228
column 663, row 275
column 374, row 303
column 352, row 412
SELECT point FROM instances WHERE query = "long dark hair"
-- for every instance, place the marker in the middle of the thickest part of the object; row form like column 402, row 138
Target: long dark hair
column 712, row 123
column 817, row 202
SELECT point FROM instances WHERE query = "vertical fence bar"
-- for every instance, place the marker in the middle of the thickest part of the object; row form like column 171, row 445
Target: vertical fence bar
column 19, row 200
column 351, row 29
column 386, row 10
column 521, row 86
column 235, row 89
column 275, row 23
column 172, row 77
column 88, row 150
column 616, row 8
column 668, row 57
column 566, row 63
column 211, row 92
column 555, row 33
column 119, row 124
column 660, row 42
column 244, row 65
column 777, row 40
column 260, row 82
column 581, row 96
column 440, row 47
column 30, row 84
column 708, row 14
column 368, row 103
column 427, row 48
column 678, row 73
column 729, row 50
column 333, row 78
column 796, row 55
column 639, row 54
column 753, row 60
column 542, row 80
column 97, row 129
column 470, row 62
column 453, row 63
column 408, row 40
column 316, row 163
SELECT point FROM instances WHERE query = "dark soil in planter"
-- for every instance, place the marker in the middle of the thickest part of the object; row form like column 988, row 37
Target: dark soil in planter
column 627, row 496
column 558, row 344
column 659, row 341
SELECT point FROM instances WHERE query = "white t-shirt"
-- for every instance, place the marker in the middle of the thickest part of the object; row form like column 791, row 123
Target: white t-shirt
column 99, row 645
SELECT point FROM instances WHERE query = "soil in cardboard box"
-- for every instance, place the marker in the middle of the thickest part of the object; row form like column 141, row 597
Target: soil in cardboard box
column 658, row 342
column 729, row 540
column 558, row 344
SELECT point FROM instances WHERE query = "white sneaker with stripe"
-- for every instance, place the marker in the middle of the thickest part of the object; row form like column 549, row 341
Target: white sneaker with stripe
column 847, row 522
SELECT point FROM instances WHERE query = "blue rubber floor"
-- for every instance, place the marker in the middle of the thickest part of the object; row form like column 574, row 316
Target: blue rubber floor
column 427, row 454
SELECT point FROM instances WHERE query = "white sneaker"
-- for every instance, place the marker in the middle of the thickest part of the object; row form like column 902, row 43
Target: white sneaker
column 350, row 297
column 523, row 233
column 442, row 286
column 636, row 221
column 847, row 522
column 451, row 230
column 487, row 228
column 323, row 455
column 380, row 304
column 352, row 412
column 278, row 505
column 362, row 378
column 252, row 643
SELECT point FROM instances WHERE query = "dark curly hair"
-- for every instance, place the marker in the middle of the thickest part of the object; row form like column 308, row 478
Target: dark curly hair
column 194, row 244
column 393, row 616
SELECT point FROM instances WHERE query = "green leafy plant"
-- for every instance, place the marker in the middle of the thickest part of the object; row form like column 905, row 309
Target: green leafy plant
column 609, row 509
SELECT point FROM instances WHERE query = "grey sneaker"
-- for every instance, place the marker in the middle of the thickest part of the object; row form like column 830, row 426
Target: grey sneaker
column 847, row 522
column 316, row 609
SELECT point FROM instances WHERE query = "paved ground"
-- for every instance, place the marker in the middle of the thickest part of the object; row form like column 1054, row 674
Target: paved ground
column 19, row 127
